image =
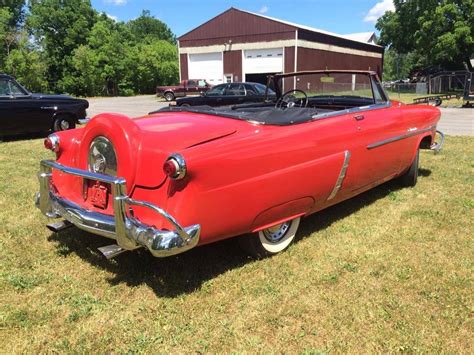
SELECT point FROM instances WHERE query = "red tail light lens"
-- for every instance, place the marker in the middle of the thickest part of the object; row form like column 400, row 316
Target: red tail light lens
column 52, row 143
column 175, row 167
column 170, row 167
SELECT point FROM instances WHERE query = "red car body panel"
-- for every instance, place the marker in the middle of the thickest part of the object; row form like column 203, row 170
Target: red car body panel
column 241, row 176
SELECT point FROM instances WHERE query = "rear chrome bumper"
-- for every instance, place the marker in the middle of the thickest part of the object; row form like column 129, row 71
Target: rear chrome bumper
column 128, row 231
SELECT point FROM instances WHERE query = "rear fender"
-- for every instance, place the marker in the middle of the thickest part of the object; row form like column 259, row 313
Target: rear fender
column 421, row 141
column 282, row 213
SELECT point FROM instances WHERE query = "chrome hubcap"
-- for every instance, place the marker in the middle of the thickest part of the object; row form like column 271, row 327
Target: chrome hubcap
column 276, row 233
column 64, row 125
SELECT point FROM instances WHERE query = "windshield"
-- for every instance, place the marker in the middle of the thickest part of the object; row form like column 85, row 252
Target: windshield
column 323, row 85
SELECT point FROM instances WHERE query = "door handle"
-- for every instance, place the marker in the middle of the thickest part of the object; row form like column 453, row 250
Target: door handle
column 359, row 117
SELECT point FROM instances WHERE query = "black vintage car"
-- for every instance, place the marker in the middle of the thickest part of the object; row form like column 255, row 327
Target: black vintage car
column 24, row 112
column 229, row 94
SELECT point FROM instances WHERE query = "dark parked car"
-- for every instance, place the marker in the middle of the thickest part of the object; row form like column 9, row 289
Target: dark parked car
column 229, row 94
column 24, row 112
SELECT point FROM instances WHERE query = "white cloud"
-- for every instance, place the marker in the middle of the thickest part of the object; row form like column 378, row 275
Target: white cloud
column 116, row 2
column 378, row 10
column 263, row 9
column 112, row 17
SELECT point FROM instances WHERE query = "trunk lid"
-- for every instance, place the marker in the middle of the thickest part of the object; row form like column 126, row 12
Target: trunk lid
column 172, row 131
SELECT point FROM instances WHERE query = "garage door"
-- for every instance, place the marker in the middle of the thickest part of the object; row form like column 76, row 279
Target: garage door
column 206, row 66
column 263, row 61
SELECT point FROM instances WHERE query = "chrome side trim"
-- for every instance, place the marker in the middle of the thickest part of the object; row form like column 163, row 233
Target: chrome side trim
column 353, row 110
column 410, row 133
column 342, row 175
column 127, row 230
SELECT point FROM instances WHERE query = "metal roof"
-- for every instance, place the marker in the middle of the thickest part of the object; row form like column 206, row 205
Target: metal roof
column 366, row 37
column 353, row 37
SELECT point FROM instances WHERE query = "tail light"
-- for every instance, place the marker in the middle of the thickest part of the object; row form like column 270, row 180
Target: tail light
column 175, row 167
column 52, row 143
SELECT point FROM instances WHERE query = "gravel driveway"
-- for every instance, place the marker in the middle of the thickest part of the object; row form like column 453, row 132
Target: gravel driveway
column 132, row 106
column 454, row 121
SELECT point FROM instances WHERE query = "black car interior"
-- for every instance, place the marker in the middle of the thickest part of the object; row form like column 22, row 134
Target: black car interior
column 299, row 105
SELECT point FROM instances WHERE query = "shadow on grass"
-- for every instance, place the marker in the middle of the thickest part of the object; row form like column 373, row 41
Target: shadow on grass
column 424, row 172
column 185, row 273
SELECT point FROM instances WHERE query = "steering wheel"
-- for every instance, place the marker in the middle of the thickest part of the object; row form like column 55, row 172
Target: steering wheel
column 288, row 100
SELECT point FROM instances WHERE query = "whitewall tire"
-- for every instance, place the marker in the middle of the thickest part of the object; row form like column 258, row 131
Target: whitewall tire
column 272, row 240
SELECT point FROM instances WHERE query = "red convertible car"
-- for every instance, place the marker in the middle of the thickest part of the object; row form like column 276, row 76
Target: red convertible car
column 188, row 176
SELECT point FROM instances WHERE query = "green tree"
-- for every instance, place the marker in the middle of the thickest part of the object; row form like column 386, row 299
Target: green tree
column 11, row 21
column 27, row 65
column 150, row 64
column 59, row 27
column 148, row 28
column 437, row 31
column 98, row 67
column 76, row 50
column 398, row 66
column 17, row 10
column 5, row 34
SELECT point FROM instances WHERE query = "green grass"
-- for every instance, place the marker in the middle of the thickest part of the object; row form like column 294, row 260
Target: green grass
column 390, row 270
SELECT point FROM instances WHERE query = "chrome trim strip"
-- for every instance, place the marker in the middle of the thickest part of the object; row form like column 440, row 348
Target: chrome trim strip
column 342, row 175
column 129, row 232
column 398, row 138
column 353, row 110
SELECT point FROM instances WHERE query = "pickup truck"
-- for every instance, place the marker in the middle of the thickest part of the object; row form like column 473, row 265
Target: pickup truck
column 185, row 87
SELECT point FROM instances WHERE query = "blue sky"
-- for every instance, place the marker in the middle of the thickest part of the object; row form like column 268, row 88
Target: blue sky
column 339, row 16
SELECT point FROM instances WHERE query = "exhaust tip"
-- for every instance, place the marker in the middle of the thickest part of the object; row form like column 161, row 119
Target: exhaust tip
column 111, row 251
column 58, row 226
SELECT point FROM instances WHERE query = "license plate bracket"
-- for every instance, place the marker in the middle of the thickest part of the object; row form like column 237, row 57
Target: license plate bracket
column 99, row 195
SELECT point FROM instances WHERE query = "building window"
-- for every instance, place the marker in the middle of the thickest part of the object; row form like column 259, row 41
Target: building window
column 228, row 78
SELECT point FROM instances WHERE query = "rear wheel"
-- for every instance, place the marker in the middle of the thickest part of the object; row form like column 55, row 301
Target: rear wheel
column 410, row 178
column 63, row 123
column 169, row 96
column 272, row 240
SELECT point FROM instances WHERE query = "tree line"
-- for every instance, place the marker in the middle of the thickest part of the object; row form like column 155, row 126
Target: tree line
column 67, row 46
column 427, row 33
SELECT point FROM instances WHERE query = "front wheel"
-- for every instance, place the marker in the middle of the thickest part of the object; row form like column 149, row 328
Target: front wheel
column 272, row 240
column 410, row 178
column 63, row 123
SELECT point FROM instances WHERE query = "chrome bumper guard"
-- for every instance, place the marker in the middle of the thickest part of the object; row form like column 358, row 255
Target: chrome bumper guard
column 436, row 147
column 128, row 231
column 84, row 120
